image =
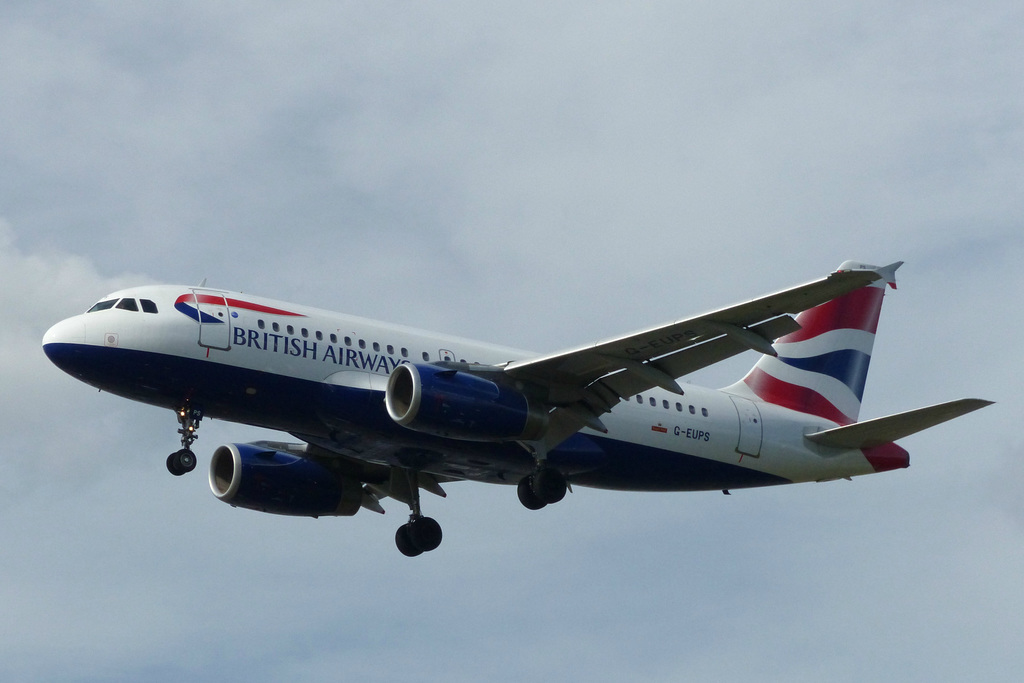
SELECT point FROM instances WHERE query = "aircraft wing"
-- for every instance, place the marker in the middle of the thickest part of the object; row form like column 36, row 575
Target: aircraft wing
column 585, row 382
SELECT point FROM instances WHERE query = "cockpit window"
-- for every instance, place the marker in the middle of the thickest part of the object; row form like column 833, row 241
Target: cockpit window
column 148, row 306
column 128, row 305
column 103, row 305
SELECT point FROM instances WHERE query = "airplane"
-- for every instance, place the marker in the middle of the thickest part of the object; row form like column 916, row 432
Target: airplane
column 382, row 410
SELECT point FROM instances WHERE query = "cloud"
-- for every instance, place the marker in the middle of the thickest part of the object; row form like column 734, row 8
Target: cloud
column 540, row 177
column 36, row 290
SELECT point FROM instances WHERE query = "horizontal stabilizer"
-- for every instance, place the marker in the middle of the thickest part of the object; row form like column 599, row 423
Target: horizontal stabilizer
column 882, row 430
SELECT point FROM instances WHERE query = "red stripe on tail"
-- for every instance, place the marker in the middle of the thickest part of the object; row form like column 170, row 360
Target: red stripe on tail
column 858, row 310
column 794, row 397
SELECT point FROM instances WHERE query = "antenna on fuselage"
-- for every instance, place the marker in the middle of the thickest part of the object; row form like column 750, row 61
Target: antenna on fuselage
column 202, row 284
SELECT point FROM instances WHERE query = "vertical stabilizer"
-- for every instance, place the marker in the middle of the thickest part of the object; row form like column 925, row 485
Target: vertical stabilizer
column 822, row 367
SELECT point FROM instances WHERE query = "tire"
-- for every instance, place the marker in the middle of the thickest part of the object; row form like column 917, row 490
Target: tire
column 174, row 465
column 527, row 497
column 425, row 533
column 549, row 485
column 404, row 542
column 180, row 462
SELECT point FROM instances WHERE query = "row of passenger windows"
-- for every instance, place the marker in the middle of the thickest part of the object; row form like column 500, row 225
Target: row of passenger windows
column 348, row 341
column 126, row 304
column 665, row 404
column 148, row 306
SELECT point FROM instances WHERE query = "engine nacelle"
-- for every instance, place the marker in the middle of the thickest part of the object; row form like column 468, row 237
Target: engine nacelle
column 250, row 476
column 460, row 405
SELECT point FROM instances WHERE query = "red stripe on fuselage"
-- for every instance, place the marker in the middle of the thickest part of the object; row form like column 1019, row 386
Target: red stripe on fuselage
column 887, row 457
column 236, row 303
column 259, row 308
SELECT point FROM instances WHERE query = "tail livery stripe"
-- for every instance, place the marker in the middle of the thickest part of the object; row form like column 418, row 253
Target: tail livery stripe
column 821, row 368
column 858, row 310
column 848, row 366
column 793, row 396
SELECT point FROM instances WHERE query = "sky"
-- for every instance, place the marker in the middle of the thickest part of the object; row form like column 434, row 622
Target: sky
column 539, row 177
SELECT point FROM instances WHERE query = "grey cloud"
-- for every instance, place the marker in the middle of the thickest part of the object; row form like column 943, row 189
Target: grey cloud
column 540, row 177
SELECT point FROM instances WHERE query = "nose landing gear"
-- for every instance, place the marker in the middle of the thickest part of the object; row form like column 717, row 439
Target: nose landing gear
column 184, row 460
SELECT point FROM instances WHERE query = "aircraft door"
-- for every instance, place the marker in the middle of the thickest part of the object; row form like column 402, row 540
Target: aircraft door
column 750, row 426
column 214, row 319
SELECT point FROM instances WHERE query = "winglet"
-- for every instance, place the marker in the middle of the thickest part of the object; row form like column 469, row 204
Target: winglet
column 885, row 273
column 888, row 273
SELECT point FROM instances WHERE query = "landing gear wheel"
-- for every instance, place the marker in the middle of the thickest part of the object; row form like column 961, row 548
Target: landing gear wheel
column 419, row 535
column 425, row 533
column 404, row 543
column 549, row 485
column 527, row 497
column 180, row 462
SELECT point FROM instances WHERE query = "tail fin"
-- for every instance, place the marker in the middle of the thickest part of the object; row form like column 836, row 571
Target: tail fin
column 822, row 367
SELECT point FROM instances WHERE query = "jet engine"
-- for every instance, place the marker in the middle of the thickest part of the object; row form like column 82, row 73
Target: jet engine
column 259, row 478
column 460, row 405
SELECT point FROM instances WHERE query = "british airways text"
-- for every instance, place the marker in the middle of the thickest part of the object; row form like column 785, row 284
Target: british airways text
column 311, row 350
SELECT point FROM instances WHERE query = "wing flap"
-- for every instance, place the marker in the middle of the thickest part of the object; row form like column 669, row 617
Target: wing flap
column 882, row 430
column 691, row 359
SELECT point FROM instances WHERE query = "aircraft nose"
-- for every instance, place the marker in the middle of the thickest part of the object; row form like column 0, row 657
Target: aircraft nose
column 60, row 338
column 69, row 331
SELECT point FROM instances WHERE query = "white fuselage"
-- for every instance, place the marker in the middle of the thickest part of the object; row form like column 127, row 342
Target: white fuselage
column 322, row 376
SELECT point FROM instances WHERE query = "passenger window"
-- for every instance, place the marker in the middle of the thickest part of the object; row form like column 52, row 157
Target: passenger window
column 305, row 333
column 148, row 306
column 376, row 346
column 426, row 356
column 391, row 350
column 362, row 344
column 665, row 404
column 291, row 330
column 405, row 352
column 319, row 335
column 348, row 341
column 276, row 327
column 693, row 411
column 128, row 305
column 334, row 338
column 639, row 398
column 679, row 407
column 653, row 402
column 260, row 324
column 103, row 305
column 704, row 412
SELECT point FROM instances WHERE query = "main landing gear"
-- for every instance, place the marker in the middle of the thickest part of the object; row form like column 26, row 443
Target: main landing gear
column 544, row 487
column 184, row 460
column 420, row 534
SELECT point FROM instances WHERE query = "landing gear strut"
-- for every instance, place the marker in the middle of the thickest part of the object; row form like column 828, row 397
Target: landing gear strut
column 184, row 460
column 544, row 487
column 420, row 534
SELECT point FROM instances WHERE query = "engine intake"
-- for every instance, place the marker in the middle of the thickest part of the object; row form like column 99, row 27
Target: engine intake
column 250, row 476
column 460, row 405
